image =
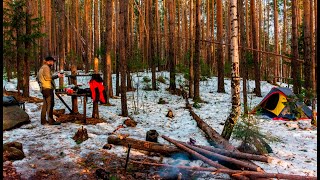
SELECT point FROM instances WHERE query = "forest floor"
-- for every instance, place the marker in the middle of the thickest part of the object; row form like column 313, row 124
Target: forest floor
column 51, row 153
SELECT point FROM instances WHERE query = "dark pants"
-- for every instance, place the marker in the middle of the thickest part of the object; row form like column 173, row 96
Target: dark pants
column 47, row 107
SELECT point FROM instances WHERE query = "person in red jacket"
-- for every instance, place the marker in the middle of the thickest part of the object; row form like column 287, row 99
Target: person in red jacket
column 98, row 92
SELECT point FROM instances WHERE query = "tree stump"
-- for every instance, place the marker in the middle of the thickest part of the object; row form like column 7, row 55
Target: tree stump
column 152, row 136
column 12, row 151
column 81, row 135
column 170, row 114
column 130, row 123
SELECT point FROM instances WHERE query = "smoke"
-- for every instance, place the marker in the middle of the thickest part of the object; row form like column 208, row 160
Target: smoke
column 174, row 173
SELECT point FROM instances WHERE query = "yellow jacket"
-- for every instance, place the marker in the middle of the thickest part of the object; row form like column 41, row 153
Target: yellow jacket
column 45, row 78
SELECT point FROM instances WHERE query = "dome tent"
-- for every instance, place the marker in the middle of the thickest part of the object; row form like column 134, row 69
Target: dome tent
column 276, row 105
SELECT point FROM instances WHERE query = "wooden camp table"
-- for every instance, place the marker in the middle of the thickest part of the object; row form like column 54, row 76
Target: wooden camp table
column 75, row 95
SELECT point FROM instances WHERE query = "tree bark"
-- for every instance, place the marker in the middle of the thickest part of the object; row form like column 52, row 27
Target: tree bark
column 26, row 69
column 123, row 54
column 172, row 64
column 284, row 40
column 307, row 50
column 276, row 48
column 108, row 68
column 96, row 29
column 243, row 52
column 235, row 75
column 220, row 54
column 163, row 149
column 191, row 71
column 19, row 49
column 61, row 33
column 152, row 41
column 196, row 62
column 295, row 64
column 255, row 46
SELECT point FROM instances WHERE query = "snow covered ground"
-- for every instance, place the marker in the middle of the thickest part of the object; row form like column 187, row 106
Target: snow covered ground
column 296, row 154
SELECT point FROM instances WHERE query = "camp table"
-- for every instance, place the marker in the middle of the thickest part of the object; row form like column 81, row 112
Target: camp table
column 75, row 95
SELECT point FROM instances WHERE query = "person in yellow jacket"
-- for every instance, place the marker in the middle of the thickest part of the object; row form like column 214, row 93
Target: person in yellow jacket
column 47, row 86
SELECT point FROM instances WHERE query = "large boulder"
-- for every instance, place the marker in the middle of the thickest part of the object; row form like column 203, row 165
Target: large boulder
column 13, row 117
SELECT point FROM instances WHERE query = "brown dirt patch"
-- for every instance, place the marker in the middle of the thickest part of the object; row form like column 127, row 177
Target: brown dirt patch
column 78, row 118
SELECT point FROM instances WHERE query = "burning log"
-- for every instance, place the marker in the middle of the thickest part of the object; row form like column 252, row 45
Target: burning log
column 208, row 161
column 238, row 155
column 201, row 157
column 224, row 158
column 232, row 172
column 163, row 149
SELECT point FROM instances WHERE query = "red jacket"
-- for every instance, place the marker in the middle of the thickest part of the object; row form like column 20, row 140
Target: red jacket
column 97, row 91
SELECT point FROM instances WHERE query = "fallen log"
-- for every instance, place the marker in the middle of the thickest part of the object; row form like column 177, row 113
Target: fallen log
column 239, row 155
column 163, row 149
column 214, row 136
column 243, row 164
column 232, row 172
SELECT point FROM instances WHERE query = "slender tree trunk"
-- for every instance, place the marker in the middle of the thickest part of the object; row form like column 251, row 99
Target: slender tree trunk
column 152, row 41
column 284, row 36
column 26, row 67
column 276, row 58
column 213, row 61
column 123, row 63
column 313, row 65
column 86, row 34
column 90, row 41
column 295, row 63
column 108, row 68
column 157, row 31
column 61, row 6
column 208, row 35
column 177, row 31
column 255, row 46
column 96, row 28
column 20, row 54
column 244, row 67
column 191, row 73
column 196, row 62
column 117, row 50
column 235, row 76
column 267, row 39
column 247, row 24
column 307, row 50
column 146, row 52
column 48, row 27
column 220, row 55
column 172, row 64
column 95, row 108
column 129, row 49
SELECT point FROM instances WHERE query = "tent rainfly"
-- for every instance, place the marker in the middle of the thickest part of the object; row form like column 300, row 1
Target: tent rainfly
column 275, row 105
